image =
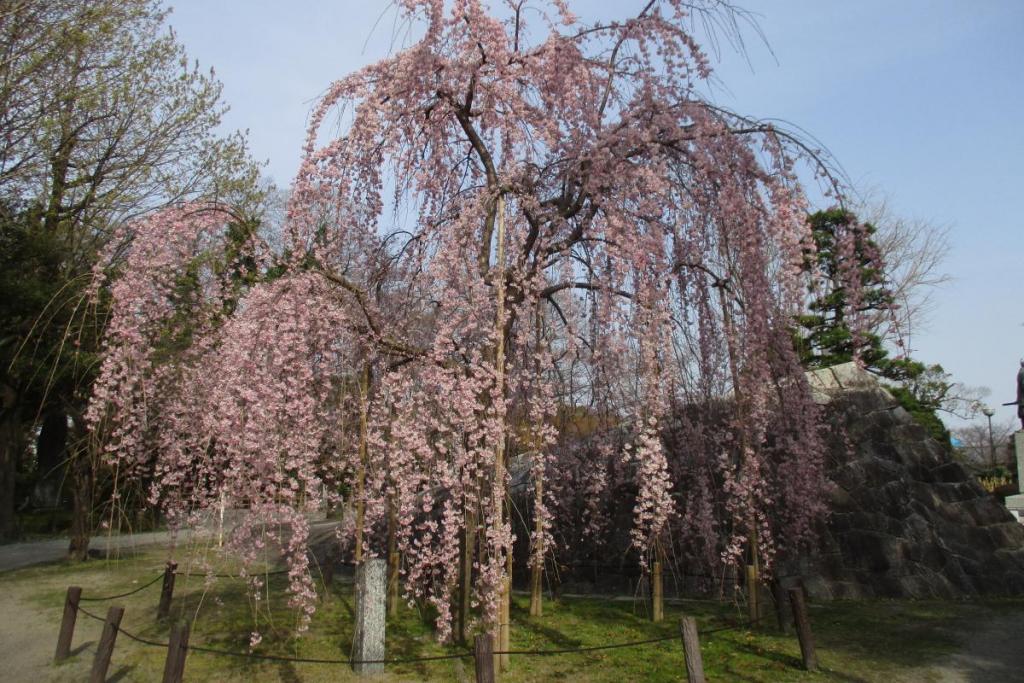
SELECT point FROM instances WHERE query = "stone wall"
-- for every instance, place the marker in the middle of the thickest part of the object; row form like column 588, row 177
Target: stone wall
column 906, row 519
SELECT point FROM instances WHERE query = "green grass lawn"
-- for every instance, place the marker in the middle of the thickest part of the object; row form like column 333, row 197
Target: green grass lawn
column 863, row 640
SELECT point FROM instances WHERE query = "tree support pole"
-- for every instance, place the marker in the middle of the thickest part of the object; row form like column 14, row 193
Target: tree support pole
column 393, row 560
column 537, row 570
column 657, row 593
column 501, row 632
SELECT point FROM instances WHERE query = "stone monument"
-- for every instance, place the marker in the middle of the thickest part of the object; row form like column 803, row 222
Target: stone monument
column 1020, row 394
column 371, row 591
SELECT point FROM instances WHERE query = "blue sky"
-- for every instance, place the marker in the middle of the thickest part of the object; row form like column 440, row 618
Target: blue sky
column 919, row 100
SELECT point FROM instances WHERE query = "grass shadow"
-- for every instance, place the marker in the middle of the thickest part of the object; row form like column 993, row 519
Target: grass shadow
column 553, row 635
column 121, row 673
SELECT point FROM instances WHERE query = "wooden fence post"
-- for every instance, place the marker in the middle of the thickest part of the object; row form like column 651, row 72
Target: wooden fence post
column 691, row 650
column 166, row 591
column 67, row 623
column 803, row 629
column 484, row 656
column 177, row 650
column 101, row 662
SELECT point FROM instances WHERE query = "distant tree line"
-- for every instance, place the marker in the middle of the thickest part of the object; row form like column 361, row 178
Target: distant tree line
column 102, row 118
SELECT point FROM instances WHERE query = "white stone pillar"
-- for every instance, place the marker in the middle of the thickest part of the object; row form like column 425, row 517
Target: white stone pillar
column 371, row 598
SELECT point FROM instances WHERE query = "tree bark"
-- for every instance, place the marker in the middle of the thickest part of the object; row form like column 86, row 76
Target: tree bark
column 11, row 431
column 754, row 577
column 51, row 458
column 364, row 390
column 82, row 475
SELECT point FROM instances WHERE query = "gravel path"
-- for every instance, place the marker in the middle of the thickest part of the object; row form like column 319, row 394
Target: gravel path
column 18, row 555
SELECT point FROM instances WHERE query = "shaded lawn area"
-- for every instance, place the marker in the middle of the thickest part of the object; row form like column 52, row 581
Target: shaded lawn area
column 857, row 641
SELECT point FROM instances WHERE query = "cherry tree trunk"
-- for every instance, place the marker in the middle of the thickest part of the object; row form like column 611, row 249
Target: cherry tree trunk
column 466, row 582
column 364, row 389
column 754, row 578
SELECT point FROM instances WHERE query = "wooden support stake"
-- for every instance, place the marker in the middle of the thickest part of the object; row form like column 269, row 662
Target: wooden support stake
column 803, row 629
column 67, row 624
column 327, row 571
column 394, row 562
column 782, row 611
column 537, row 570
column 484, row 656
column 101, row 662
column 505, row 629
column 166, row 591
column 468, row 546
column 753, row 599
column 658, row 594
column 691, row 650
column 177, row 650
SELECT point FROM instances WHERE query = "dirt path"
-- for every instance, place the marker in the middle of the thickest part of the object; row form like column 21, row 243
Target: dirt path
column 990, row 654
column 28, row 637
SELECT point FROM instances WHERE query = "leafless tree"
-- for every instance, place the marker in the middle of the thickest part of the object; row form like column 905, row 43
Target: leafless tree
column 976, row 447
column 914, row 252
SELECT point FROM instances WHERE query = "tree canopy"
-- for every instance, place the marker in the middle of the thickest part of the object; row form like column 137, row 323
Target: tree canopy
column 521, row 216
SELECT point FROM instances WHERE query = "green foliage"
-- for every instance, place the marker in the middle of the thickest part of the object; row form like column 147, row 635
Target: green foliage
column 922, row 412
column 50, row 336
column 104, row 118
column 823, row 336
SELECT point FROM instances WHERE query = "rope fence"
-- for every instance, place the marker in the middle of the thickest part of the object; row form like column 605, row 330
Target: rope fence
column 123, row 595
column 280, row 658
column 484, row 653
